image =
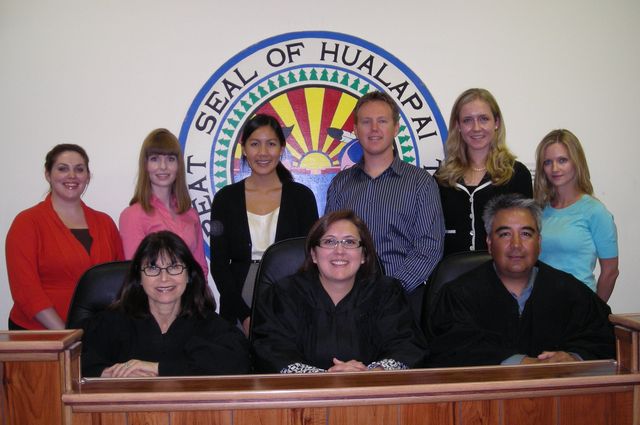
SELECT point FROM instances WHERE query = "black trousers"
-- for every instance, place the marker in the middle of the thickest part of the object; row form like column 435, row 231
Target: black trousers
column 416, row 301
column 14, row 327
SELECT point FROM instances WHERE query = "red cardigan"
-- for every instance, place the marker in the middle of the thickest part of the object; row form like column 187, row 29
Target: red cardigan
column 45, row 260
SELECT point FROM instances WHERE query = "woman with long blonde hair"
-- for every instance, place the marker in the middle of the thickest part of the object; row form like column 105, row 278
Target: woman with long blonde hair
column 577, row 229
column 161, row 199
column 477, row 166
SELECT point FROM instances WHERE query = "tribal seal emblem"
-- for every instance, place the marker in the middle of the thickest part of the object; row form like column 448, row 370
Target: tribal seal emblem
column 310, row 81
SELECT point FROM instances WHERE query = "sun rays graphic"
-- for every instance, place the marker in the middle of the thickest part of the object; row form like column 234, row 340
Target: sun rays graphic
column 311, row 117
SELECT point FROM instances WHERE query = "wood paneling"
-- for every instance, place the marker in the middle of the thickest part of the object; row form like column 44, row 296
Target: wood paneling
column 312, row 416
column 481, row 412
column 82, row 418
column 215, row 417
column 3, row 397
column 402, row 387
column 37, row 342
column 33, row 393
column 41, row 386
column 428, row 414
column 148, row 418
column 106, row 418
column 627, row 349
column 603, row 409
column 531, row 411
column 364, row 415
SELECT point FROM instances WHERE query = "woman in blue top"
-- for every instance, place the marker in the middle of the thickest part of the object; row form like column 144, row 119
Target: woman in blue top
column 577, row 229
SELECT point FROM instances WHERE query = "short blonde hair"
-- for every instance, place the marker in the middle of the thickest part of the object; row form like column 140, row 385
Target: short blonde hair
column 543, row 191
column 500, row 161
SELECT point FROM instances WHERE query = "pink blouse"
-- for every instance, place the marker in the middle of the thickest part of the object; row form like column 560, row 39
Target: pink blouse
column 135, row 224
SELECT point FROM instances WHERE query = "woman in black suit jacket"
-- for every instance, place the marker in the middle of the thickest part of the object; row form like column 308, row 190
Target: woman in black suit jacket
column 251, row 214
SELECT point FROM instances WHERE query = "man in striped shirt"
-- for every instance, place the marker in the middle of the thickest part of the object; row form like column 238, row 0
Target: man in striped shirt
column 399, row 202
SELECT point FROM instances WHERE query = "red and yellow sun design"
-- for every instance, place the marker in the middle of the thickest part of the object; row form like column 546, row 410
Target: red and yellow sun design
column 307, row 114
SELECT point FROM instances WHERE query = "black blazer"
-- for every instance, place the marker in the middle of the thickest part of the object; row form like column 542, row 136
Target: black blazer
column 231, row 240
column 463, row 212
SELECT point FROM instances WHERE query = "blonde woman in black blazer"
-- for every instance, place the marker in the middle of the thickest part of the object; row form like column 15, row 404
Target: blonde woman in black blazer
column 269, row 187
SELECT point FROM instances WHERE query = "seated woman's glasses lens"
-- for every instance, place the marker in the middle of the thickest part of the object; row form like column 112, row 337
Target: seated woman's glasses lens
column 173, row 270
column 346, row 243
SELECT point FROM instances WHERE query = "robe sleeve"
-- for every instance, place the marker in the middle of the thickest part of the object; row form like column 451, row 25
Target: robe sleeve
column 458, row 340
column 204, row 347
column 589, row 332
column 216, row 348
column 101, row 343
column 275, row 332
column 403, row 341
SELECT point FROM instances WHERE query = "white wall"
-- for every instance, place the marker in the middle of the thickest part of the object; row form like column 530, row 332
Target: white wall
column 103, row 74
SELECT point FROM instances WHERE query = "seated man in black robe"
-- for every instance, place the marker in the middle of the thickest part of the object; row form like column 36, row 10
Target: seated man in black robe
column 516, row 309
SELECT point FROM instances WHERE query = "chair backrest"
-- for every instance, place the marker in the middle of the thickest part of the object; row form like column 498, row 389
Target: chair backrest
column 449, row 268
column 280, row 260
column 96, row 289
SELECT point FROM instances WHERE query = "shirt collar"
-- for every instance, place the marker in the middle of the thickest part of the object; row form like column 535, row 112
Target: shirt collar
column 395, row 167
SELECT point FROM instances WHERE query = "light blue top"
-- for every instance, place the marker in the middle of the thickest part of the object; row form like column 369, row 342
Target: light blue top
column 573, row 238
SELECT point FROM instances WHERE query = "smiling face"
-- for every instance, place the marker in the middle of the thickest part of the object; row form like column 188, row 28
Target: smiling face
column 514, row 243
column 262, row 150
column 477, row 126
column 339, row 265
column 68, row 177
column 375, row 128
column 558, row 166
column 162, row 169
column 164, row 290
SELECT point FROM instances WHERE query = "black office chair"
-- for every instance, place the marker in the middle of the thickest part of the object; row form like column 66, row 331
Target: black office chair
column 280, row 260
column 449, row 268
column 96, row 289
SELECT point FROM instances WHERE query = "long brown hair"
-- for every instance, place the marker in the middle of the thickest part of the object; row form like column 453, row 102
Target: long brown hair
column 161, row 142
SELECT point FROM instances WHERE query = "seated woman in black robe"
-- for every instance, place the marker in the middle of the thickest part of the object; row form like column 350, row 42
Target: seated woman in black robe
column 338, row 314
column 163, row 321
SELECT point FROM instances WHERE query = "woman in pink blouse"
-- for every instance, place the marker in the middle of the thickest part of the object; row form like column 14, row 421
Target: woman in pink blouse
column 161, row 198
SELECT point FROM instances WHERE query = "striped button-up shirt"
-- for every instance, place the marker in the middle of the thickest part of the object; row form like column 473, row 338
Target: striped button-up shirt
column 402, row 209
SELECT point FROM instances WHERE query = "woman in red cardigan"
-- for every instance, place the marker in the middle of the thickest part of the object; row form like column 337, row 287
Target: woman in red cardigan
column 51, row 244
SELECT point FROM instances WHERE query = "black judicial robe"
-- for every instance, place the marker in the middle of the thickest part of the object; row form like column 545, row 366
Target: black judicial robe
column 191, row 346
column 476, row 320
column 296, row 322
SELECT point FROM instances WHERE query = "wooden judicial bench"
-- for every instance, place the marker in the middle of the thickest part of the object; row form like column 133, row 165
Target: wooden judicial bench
column 41, row 384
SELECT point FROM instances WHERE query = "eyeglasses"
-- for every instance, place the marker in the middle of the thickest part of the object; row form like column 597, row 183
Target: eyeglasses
column 331, row 243
column 173, row 270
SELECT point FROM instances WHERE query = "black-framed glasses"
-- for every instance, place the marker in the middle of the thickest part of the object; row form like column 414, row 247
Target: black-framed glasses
column 331, row 243
column 173, row 270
